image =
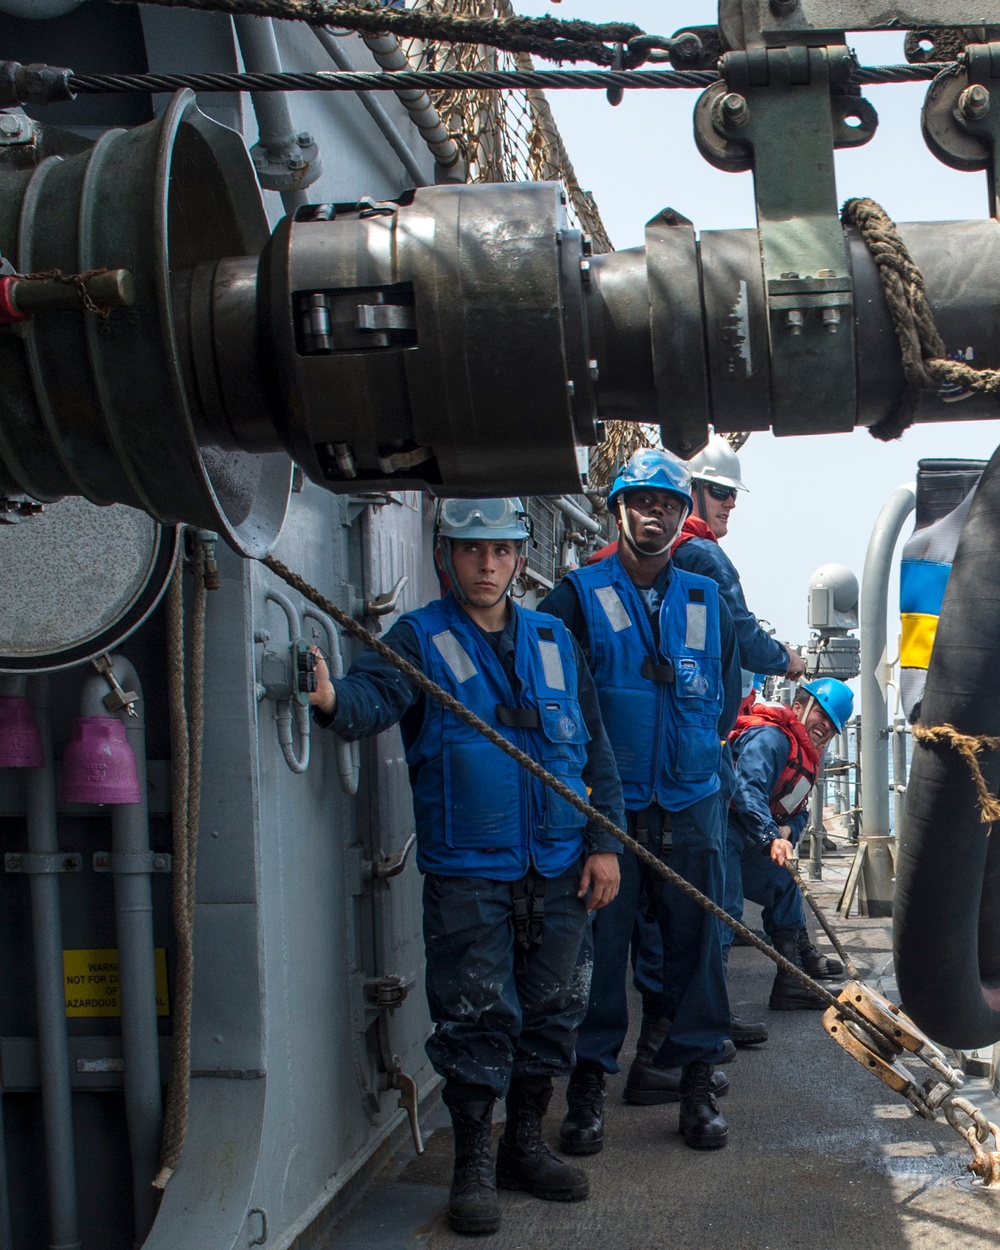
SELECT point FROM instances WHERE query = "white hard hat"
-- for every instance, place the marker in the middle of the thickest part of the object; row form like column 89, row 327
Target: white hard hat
column 717, row 463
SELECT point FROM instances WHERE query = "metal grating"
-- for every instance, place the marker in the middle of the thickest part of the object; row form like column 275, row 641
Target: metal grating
column 543, row 553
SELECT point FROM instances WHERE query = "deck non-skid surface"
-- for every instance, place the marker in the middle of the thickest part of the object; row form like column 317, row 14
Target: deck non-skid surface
column 820, row 1155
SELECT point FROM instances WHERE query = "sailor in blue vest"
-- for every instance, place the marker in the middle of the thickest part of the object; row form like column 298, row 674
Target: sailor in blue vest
column 512, row 871
column 663, row 652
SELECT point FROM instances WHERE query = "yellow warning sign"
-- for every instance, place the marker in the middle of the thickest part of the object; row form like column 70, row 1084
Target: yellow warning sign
column 91, row 982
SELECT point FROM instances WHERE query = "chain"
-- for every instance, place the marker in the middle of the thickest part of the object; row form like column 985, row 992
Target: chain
column 986, row 1163
column 556, row 39
column 79, row 280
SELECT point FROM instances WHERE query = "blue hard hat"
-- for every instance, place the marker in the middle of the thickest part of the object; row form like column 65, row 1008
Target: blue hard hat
column 654, row 469
column 834, row 697
column 482, row 518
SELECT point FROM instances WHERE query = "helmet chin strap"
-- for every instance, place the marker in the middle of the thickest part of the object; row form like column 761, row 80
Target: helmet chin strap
column 806, row 707
column 626, row 529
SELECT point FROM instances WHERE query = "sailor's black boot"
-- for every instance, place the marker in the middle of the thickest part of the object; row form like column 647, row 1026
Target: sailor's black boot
column 472, row 1203
column 788, row 994
column 523, row 1159
column 582, row 1131
column 747, row 1032
column 701, row 1122
column 815, row 962
column 649, row 1085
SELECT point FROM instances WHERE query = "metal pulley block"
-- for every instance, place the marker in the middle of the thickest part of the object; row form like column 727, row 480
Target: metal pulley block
column 880, row 1047
column 960, row 118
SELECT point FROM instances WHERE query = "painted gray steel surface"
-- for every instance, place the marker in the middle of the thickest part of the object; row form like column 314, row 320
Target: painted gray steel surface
column 288, row 1099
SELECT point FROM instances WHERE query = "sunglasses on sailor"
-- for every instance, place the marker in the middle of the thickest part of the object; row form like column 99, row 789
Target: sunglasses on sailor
column 720, row 492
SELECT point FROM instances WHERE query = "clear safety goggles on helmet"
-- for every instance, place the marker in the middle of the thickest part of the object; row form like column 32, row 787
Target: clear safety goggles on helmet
column 649, row 462
column 483, row 518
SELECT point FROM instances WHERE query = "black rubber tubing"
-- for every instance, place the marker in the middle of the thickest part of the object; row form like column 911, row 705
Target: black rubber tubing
column 946, row 937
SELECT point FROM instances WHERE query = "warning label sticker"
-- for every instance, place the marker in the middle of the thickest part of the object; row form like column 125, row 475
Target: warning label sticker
column 91, row 983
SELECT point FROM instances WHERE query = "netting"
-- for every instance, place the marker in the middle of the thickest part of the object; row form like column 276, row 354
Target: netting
column 508, row 136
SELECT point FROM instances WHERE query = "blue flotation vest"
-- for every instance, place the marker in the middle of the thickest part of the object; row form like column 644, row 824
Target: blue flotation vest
column 661, row 705
column 478, row 813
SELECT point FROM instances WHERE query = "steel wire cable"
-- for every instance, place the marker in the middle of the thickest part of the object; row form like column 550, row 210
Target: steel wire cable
column 453, row 80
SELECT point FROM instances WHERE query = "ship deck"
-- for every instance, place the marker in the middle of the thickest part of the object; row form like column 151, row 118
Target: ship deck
column 821, row 1153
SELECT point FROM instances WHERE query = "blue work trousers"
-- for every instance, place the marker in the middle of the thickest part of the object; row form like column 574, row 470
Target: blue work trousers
column 752, row 874
column 496, row 1016
column 695, row 997
column 623, row 924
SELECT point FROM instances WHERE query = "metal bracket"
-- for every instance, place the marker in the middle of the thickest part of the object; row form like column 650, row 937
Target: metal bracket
column 132, row 862
column 43, row 861
column 387, row 993
column 774, row 112
column 389, row 865
column 118, row 699
column 387, row 602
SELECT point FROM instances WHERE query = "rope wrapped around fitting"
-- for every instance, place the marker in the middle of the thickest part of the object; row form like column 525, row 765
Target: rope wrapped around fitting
column 925, row 363
column 969, row 747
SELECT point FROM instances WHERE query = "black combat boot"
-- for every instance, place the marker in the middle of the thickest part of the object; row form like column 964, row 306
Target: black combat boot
column 649, row 1085
column 788, row 994
column 472, row 1203
column 701, row 1122
column 582, row 1131
column 747, row 1032
column 523, row 1159
column 815, row 962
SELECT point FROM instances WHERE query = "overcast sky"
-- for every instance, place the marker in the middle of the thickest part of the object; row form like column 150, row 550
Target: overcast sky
column 812, row 500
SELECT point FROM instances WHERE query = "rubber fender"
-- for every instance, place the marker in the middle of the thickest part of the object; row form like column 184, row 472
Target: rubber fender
column 946, row 937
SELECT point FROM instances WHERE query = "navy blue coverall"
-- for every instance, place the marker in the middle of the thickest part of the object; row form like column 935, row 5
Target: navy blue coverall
column 760, row 754
column 698, row 854
column 496, row 1017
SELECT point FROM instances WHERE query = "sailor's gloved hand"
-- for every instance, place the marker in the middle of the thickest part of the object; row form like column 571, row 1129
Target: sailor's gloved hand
column 324, row 696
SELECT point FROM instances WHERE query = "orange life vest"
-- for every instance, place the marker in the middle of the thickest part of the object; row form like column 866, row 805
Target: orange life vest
column 798, row 777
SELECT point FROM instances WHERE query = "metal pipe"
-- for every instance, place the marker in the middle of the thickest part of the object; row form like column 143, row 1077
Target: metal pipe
column 874, row 707
column 279, row 138
column 575, row 513
column 448, row 155
column 376, row 109
column 50, row 995
column 816, row 826
column 130, row 866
